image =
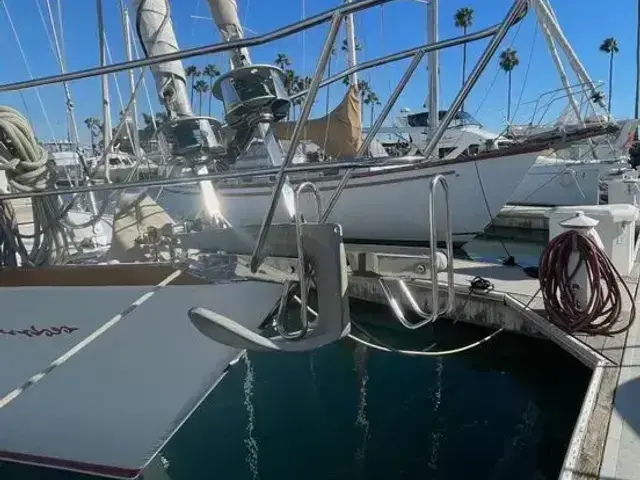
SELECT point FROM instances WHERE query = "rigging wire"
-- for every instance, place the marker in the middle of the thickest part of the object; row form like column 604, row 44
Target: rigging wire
column 526, row 73
column 59, row 53
column 26, row 63
column 118, row 91
column 510, row 258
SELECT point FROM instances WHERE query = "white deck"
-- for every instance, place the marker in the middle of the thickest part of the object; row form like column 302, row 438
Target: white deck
column 109, row 407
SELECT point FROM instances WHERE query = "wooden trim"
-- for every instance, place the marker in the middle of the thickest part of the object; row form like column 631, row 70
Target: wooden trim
column 541, row 147
column 113, row 275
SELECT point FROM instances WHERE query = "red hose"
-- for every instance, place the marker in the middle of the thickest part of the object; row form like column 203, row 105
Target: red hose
column 602, row 314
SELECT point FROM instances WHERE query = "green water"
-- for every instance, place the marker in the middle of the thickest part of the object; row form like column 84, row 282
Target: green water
column 504, row 410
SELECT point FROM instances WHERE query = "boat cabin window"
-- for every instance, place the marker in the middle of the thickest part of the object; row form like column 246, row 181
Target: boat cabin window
column 472, row 149
column 459, row 120
column 443, row 152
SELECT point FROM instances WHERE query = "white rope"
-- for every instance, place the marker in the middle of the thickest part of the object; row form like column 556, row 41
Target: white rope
column 27, row 170
column 26, row 64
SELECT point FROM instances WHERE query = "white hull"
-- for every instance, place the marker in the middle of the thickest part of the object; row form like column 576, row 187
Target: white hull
column 552, row 182
column 386, row 206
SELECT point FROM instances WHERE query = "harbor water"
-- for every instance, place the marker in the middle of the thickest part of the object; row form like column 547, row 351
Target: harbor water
column 504, row 410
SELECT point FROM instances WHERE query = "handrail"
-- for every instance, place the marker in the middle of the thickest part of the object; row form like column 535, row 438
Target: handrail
column 319, row 19
column 436, row 311
column 440, row 179
column 302, row 271
column 295, row 140
column 411, row 52
column 576, row 86
column 359, row 163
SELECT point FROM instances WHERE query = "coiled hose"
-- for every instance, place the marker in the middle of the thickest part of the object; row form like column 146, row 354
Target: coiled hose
column 601, row 315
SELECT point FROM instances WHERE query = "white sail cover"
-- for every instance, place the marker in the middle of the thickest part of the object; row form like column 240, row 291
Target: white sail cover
column 153, row 22
column 225, row 14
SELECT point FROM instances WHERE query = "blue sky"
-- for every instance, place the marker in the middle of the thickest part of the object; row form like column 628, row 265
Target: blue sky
column 382, row 30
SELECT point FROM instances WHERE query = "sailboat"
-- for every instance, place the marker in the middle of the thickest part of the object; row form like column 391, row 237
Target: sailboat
column 566, row 176
column 96, row 340
column 570, row 176
column 384, row 205
column 119, row 341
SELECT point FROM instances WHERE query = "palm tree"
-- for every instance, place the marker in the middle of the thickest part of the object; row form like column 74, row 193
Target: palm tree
column 463, row 19
column 212, row 72
column 345, row 46
column 363, row 91
column 282, row 61
column 201, row 87
column 192, row 72
column 371, row 99
column 363, row 88
column 610, row 46
column 508, row 61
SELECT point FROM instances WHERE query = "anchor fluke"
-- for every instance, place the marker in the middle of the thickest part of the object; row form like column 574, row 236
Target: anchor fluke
column 228, row 332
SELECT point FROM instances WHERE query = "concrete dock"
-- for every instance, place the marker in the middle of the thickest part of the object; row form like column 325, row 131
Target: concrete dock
column 524, row 220
column 606, row 439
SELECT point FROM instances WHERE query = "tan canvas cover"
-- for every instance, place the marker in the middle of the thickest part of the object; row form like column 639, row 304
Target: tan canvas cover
column 135, row 214
column 345, row 128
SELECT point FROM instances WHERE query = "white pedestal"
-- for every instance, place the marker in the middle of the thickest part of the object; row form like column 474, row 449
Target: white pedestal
column 616, row 229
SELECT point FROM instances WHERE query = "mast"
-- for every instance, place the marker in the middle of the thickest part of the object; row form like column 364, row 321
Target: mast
column 351, row 48
column 128, row 51
column 225, row 14
column 106, row 108
column 157, row 37
column 433, row 66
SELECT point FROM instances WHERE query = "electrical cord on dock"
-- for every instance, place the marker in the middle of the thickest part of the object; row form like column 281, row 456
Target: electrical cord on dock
column 601, row 315
column 379, row 345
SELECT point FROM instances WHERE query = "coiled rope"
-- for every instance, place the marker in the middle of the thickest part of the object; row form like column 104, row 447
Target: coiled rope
column 27, row 169
column 601, row 315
